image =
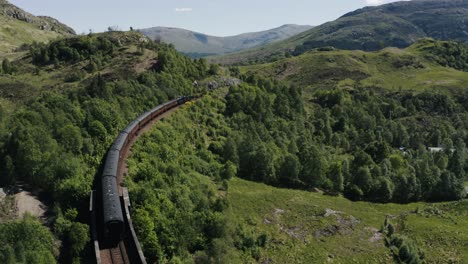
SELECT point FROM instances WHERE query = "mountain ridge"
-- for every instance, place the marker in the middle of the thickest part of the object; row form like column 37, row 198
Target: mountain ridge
column 196, row 44
column 397, row 24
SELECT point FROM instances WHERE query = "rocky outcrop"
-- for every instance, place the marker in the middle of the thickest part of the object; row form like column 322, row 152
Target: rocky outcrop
column 42, row 22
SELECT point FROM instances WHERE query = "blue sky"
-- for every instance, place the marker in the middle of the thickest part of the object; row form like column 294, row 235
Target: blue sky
column 214, row 17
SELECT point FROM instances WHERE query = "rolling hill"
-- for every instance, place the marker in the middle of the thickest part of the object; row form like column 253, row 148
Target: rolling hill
column 18, row 27
column 398, row 24
column 418, row 67
column 197, row 44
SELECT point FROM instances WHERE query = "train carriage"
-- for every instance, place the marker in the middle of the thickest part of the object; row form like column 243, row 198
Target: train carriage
column 112, row 210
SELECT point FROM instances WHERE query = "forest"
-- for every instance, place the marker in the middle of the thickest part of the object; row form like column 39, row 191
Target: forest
column 57, row 141
column 368, row 145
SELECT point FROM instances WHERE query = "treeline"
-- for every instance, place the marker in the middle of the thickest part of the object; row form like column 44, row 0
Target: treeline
column 73, row 50
column 448, row 53
column 56, row 142
column 369, row 145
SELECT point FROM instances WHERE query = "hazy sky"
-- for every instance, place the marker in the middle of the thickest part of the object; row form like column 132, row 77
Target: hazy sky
column 214, row 17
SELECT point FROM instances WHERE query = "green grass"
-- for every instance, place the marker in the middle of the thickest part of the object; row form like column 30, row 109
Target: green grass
column 390, row 69
column 14, row 33
column 440, row 232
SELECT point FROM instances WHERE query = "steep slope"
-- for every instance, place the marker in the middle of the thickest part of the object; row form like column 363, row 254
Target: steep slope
column 18, row 27
column 198, row 45
column 397, row 24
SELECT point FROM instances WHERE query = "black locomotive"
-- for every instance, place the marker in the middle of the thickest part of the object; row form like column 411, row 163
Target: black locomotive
column 112, row 209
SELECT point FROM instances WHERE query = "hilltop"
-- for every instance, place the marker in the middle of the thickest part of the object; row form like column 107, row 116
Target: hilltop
column 19, row 27
column 416, row 68
column 398, row 24
column 196, row 44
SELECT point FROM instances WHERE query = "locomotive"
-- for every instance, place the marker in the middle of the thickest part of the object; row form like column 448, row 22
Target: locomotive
column 114, row 221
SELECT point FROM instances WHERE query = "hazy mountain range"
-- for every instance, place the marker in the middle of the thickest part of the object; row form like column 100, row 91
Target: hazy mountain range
column 397, row 24
column 198, row 44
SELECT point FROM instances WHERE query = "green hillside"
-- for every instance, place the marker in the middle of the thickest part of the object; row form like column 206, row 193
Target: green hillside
column 416, row 68
column 305, row 227
column 398, row 24
column 18, row 27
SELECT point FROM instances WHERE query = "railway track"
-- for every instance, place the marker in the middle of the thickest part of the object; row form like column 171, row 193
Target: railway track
column 119, row 254
column 115, row 255
column 128, row 250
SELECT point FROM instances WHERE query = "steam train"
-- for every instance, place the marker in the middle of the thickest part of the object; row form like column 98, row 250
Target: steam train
column 114, row 221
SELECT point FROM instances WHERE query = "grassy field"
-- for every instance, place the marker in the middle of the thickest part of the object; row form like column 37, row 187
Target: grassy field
column 14, row 33
column 390, row 69
column 307, row 227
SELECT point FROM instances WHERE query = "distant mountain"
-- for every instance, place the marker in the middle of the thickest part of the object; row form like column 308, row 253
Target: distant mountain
column 397, row 24
column 198, row 45
column 18, row 27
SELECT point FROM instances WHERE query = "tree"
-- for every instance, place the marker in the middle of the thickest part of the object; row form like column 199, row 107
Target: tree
column 214, row 69
column 229, row 170
column 353, row 192
column 363, row 179
column 7, row 67
column 457, row 160
column 289, row 171
column 383, row 190
column 449, row 187
column 78, row 238
column 335, row 174
column 313, row 166
column 230, row 152
column 70, row 138
column 7, row 254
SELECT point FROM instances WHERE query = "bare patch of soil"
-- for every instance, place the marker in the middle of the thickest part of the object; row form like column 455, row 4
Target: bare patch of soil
column 26, row 202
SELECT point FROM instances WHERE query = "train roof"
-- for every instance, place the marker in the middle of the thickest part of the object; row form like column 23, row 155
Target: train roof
column 156, row 108
column 111, row 201
column 143, row 116
column 131, row 127
column 112, row 163
column 120, row 141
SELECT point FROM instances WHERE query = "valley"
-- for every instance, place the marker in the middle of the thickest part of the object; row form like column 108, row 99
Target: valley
column 340, row 143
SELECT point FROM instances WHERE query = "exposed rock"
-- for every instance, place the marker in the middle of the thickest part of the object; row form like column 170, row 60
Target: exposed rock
column 344, row 224
column 377, row 236
column 42, row 22
column 295, row 232
column 329, row 212
column 279, row 211
column 223, row 82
